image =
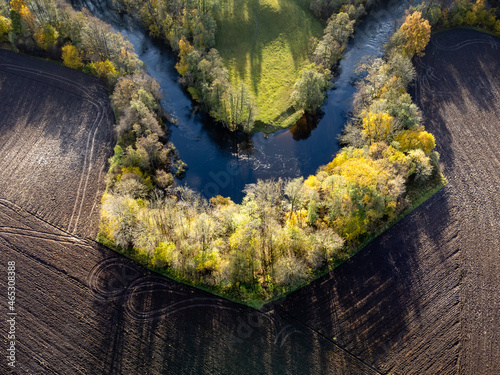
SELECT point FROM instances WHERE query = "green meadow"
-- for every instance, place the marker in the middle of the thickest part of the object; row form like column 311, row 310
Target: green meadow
column 264, row 44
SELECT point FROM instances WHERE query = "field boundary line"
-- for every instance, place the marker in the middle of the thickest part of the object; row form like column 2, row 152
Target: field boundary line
column 333, row 342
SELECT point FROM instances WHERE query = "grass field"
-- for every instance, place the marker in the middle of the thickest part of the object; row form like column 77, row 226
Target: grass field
column 264, row 44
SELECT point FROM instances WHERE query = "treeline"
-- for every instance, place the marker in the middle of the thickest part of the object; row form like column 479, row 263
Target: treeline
column 469, row 13
column 143, row 159
column 189, row 28
column 310, row 89
column 287, row 232
column 51, row 28
column 325, row 8
column 263, row 246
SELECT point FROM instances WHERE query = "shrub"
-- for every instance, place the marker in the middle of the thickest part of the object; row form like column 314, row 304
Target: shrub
column 71, row 57
column 5, row 27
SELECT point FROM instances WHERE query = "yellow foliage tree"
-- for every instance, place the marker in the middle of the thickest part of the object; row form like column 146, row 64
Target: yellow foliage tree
column 418, row 33
column 20, row 7
column 376, row 126
column 105, row 69
column 184, row 49
column 416, row 139
column 5, row 27
column 427, row 142
column 71, row 57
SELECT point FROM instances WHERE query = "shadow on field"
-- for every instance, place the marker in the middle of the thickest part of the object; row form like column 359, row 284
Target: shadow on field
column 368, row 304
column 55, row 131
column 421, row 298
column 150, row 324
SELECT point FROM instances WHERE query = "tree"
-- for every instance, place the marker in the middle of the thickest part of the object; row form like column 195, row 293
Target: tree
column 413, row 139
column 45, row 11
column 238, row 109
column 405, row 112
column 309, row 91
column 340, row 27
column 327, row 245
column 106, row 70
column 101, row 43
column 20, row 8
column 71, row 57
column 421, row 165
column 402, row 67
column 152, row 147
column 290, row 271
column 120, row 219
column 376, row 126
column 138, row 86
column 185, row 48
column 46, row 37
column 327, row 52
column 294, row 190
column 163, row 254
column 418, row 33
column 5, row 27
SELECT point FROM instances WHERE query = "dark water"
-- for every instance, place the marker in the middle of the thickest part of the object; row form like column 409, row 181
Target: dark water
column 221, row 162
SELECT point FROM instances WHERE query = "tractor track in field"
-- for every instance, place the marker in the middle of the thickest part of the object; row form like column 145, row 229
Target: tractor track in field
column 423, row 298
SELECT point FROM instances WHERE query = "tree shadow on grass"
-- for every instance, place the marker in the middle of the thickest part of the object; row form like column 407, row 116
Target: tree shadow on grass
column 243, row 42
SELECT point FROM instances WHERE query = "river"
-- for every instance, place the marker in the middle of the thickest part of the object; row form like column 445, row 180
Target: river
column 221, row 162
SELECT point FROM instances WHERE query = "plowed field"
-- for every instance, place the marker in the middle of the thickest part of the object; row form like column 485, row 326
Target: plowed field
column 423, row 298
column 55, row 137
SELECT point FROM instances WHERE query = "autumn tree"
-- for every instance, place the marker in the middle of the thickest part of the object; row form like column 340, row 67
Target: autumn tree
column 421, row 165
column 376, row 126
column 71, row 57
column 413, row 139
column 20, row 7
column 46, row 36
column 340, row 27
column 294, row 190
column 5, row 27
column 327, row 52
column 101, row 44
column 185, row 48
column 290, row 271
column 418, row 34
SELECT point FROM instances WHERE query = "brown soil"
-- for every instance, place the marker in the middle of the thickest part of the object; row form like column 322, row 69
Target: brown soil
column 424, row 297
column 420, row 299
column 55, row 137
column 83, row 309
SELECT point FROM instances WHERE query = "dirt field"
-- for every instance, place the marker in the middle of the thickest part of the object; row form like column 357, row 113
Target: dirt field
column 55, row 138
column 425, row 297
column 108, row 316
column 421, row 299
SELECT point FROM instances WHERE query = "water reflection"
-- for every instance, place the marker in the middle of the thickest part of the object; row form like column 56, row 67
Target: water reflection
column 303, row 128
